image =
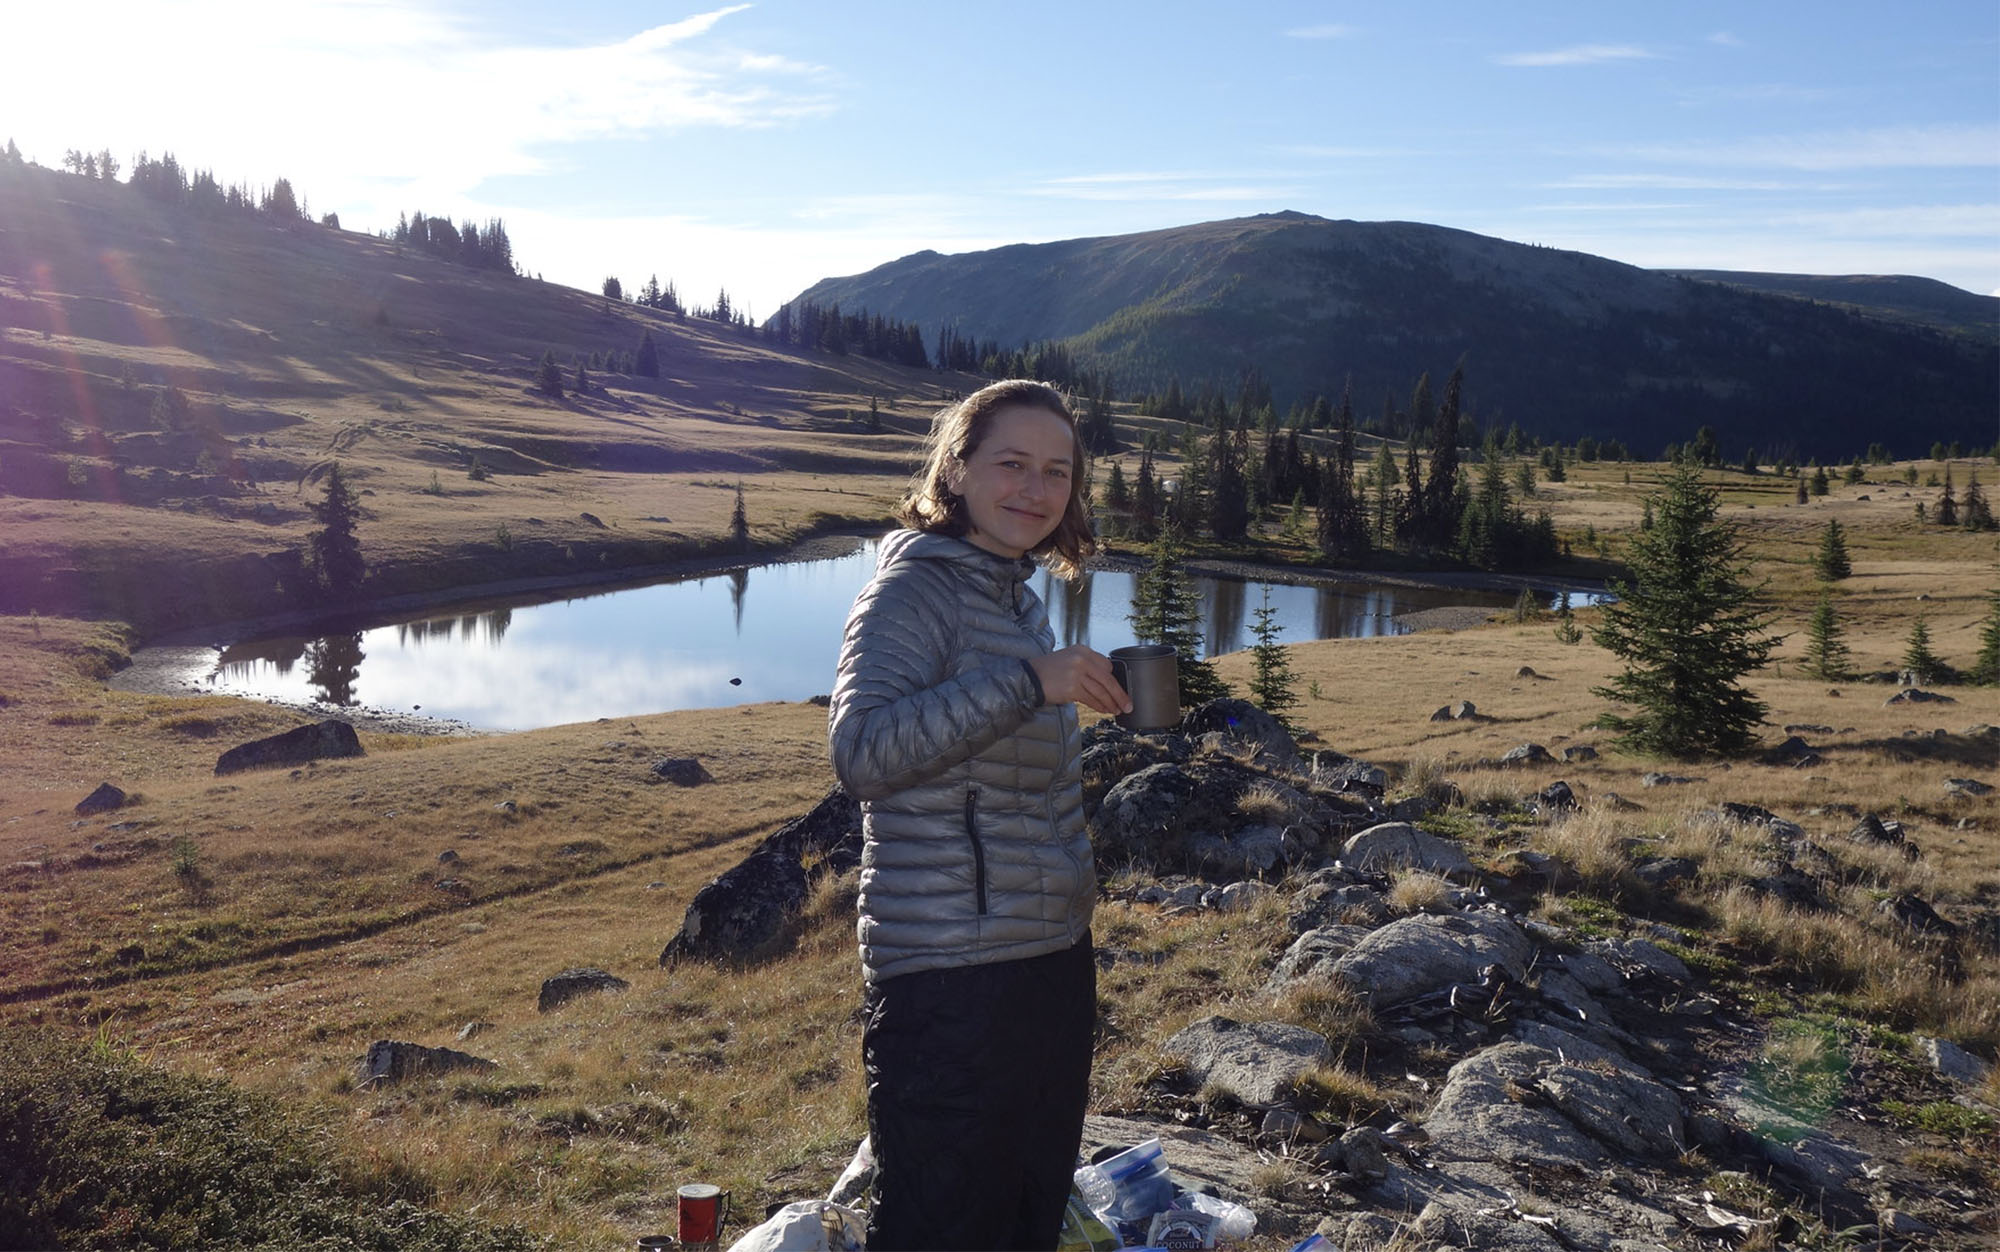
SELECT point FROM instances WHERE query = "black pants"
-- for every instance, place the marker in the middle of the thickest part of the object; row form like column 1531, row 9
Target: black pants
column 977, row 1082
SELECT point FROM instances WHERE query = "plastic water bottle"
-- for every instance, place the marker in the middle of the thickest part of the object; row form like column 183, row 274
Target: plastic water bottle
column 1095, row 1186
column 1232, row 1221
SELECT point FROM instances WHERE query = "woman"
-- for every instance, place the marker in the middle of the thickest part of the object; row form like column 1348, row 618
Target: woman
column 953, row 721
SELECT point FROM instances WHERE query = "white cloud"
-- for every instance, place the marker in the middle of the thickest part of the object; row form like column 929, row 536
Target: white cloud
column 1886, row 147
column 1328, row 30
column 1581, row 54
column 1156, row 186
column 369, row 105
column 1681, row 182
column 1723, row 38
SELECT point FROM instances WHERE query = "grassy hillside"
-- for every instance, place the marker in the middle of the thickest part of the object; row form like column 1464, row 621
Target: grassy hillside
column 172, row 387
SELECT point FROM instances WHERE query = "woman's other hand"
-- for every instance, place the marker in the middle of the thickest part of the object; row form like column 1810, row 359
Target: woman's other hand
column 1079, row 675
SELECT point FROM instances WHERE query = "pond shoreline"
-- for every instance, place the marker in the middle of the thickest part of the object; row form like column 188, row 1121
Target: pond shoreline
column 176, row 663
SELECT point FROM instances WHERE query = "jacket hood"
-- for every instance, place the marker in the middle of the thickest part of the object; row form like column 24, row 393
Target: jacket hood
column 971, row 559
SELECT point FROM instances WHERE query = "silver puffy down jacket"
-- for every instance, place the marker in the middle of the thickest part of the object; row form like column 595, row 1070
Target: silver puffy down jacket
column 970, row 788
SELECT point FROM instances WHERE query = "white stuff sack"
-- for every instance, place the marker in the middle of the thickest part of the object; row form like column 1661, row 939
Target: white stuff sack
column 807, row 1226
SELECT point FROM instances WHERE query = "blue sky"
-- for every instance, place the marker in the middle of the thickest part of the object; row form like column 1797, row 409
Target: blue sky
column 760, row 147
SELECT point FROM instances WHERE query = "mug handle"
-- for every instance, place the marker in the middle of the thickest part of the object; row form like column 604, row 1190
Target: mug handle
column 721, row 1213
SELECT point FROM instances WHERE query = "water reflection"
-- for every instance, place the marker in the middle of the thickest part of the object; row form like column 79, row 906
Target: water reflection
column 700, row 642
column 333, row 664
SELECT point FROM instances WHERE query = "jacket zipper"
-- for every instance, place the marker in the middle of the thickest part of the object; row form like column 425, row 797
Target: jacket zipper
column 978, row 849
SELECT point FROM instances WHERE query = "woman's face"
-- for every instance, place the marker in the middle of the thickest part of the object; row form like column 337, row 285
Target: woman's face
column 1017, row 482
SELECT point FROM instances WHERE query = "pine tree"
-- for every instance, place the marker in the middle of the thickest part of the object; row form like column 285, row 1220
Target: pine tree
column 1567, row 631
column 1947, row 507
column 647, row 363
column 333, row 550
column 1831, row 562
column 582, row 384
column 1920, row 664
column 1986, row 666
column 1826, row 653
column 548, row 376
column 1819, row 480
column 1166, row 608
column 1273, row 687
column 1686, row 629
column 739, row 523
column 1974, row 512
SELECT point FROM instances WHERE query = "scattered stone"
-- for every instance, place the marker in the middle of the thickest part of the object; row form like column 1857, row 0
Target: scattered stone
column 571, row 983
column 1914, row 914
column 681, row 771
column 1954, row 1062
column 1456, row 711
column 1793, row 752
column 1554, row 800
column 1257, row 1062
column 1399, row 845
column 1808, row 728
column 1424, row 955
column 1581, row 752
column 1619, row 804
column 447, row 857
column 1312, row 953
column 747, row 913
column 103, row 800
column 1526, row 671
column 1967, row 787
column 1664, row 871
column 392, row 1060
column 320, row 741
column 1872, row 829
column 1237, row 897
column 1917, row 695
column 473, row 1029
column 1291, row 1126
column 1526, row 754
column 1241, row 722
column 1665, row 780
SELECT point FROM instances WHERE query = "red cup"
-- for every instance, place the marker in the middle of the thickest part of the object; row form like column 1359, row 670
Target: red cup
column 704, row 1207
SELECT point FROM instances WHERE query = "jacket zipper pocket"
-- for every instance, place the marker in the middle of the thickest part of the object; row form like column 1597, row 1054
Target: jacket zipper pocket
column 978, row 849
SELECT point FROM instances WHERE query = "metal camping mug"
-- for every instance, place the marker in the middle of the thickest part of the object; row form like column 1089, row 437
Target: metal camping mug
column 656, row 1243
column 1151, row 675
column 704, row 1208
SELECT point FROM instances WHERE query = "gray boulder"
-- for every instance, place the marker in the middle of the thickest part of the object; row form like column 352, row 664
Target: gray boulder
column 1953, row 1062
column 1313, row 953
column 1399, row 845
column 1967, row 787
column 103, row 800
column 1193, row 819
column 1526, row 754
column 571, row 983
column 746, row 913
column 681, row 771
column 1242, row 723
column 392, row 1060
column 1416, row 956
column 1326, row 904
column 1257, row 1062
column 320, row 741
column 1917, row 695
column 1493, row 1109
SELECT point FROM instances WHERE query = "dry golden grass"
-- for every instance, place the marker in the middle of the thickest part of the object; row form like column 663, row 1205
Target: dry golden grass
column 309, row 922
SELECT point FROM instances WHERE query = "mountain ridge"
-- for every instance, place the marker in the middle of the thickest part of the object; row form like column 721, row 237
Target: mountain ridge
column 1563, row 342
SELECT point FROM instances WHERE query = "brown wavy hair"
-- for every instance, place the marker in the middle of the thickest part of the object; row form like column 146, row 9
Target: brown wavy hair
column 956, row 433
